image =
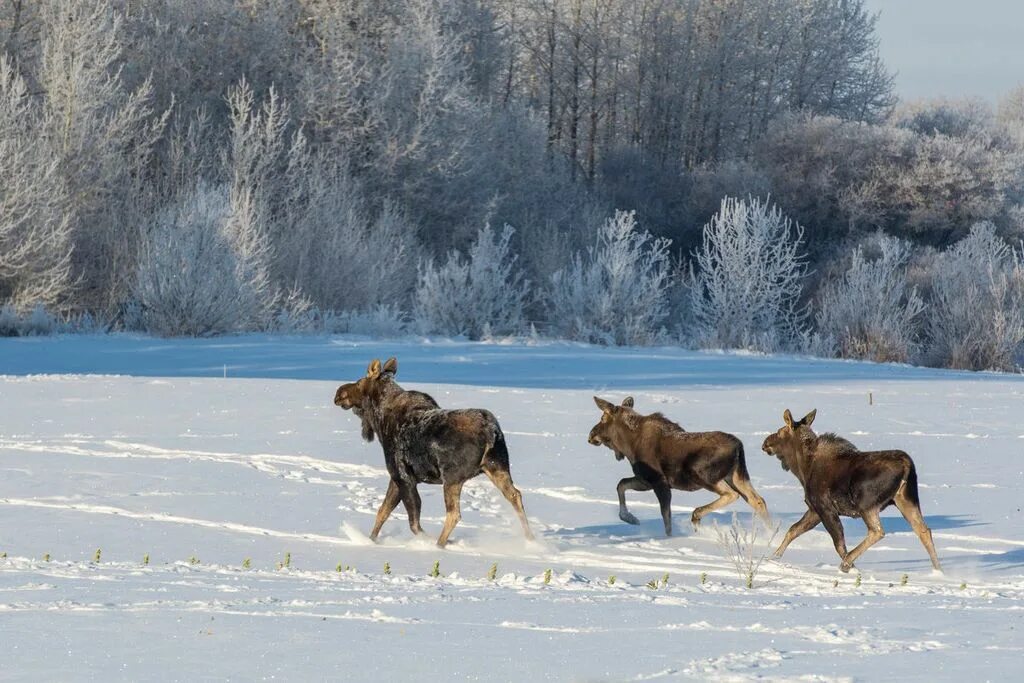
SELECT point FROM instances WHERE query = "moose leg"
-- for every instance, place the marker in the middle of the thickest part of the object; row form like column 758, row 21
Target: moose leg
column 743, row 486
column 725, row 496
column 834, row 527
column 664, row 494
column 411, row 500
column 875, row 534
column 501, row 479
column 802, row 526
column 912, row 513
column 387, row 506
column 452, row 492
column 629, row 484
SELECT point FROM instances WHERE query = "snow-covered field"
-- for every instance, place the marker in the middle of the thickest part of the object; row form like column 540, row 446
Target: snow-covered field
column 203, row 454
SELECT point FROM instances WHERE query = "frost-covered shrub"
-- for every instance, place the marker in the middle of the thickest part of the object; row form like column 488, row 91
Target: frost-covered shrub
column 976, row 315
column 37, row 322
column 870, row 312
column 479, row 296
column 617, row 293
column 749, row 275
column 192, row 279
column 383, row 320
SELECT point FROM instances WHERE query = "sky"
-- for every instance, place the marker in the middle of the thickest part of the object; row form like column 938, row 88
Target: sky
column 952, row 48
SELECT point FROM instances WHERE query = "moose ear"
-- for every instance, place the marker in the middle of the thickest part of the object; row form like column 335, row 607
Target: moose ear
column 391, row 366
column 628, row 401
column 374, row 369
column 809, row 418
column 603, row 404
column 787, row 417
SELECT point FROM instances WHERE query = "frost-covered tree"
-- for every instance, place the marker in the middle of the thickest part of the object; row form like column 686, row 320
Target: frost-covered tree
column 193, row 277
column 35, row 228
column 101, row 131
column 616, row 293
column 871, row 312
column 745, row 291
column 482, row 295
column 976, row 314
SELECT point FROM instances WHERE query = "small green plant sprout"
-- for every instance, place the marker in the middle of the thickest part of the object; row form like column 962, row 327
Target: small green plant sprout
column 547, row 577
column 3, row 556
column 145, row 559
column 338, row 568
column 653, row 584
column 46, row 557
column 96, row 557
column 387, row 568
column 286, row 563
column 904, row 579
column 247, row 563
column 492, row 573
column 435, row 571
column 703, row 578
column 611, row 580
column 193, row 560
column 664, row 579
column 856, row 582
column 963, row 586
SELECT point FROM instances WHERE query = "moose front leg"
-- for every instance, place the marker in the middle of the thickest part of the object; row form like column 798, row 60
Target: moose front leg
column 629, row 484
column 802, row 526
column 411, row 499
column 834, row 526
column 664, row 494
column 387, row 506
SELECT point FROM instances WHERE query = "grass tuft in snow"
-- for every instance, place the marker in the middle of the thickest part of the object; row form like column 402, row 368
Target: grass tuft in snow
column 743, row 547
column 436, row 569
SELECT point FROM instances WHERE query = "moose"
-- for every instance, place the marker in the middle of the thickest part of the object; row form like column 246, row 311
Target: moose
column 664, row 456
column 840, row 480
column 425, row 444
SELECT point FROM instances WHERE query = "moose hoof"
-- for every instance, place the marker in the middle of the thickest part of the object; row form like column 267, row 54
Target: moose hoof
column 845, row 567
column 628, row 517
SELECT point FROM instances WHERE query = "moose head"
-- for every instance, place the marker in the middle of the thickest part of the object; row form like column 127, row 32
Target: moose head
column 354, row 395
column 786, row 442
column 613, row 420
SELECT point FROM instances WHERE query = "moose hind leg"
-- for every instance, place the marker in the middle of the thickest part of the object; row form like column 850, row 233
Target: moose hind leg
column 742, row 485
column 387, row 506
column 911, row 511
column 502, row 480
column 629, row 484
column 875, row 533
column 725, row 496
column 453, row 511
column 802, row 526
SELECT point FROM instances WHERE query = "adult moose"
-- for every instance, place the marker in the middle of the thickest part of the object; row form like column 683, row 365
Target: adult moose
column 840, row 480
column 424, row 444
column 664, row 456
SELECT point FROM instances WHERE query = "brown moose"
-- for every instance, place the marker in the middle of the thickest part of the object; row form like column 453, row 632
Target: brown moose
column 840, row 480
column 664, row 456
column 425, row 444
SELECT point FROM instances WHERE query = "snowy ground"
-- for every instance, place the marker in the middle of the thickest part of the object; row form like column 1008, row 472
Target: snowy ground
column 159, row 453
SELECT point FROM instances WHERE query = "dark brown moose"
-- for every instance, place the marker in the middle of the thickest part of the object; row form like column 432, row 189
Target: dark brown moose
column 839, row 480
column 664, row 456
column 424, row 444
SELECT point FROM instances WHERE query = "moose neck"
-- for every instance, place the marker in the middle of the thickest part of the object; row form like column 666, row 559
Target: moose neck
column 800, row 461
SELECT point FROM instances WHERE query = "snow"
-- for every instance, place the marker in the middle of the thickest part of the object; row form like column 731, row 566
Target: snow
column 137, row 446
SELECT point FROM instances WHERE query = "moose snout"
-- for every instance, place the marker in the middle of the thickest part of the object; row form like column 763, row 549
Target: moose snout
column 594, row 439
column 341, row 399
column 767, row 447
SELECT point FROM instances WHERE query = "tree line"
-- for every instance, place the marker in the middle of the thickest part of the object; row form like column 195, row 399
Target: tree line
column 715, row 173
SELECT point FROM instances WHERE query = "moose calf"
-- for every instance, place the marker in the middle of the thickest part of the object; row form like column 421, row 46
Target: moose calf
column 840, row 480
column 664, row 456
column 425, row 444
